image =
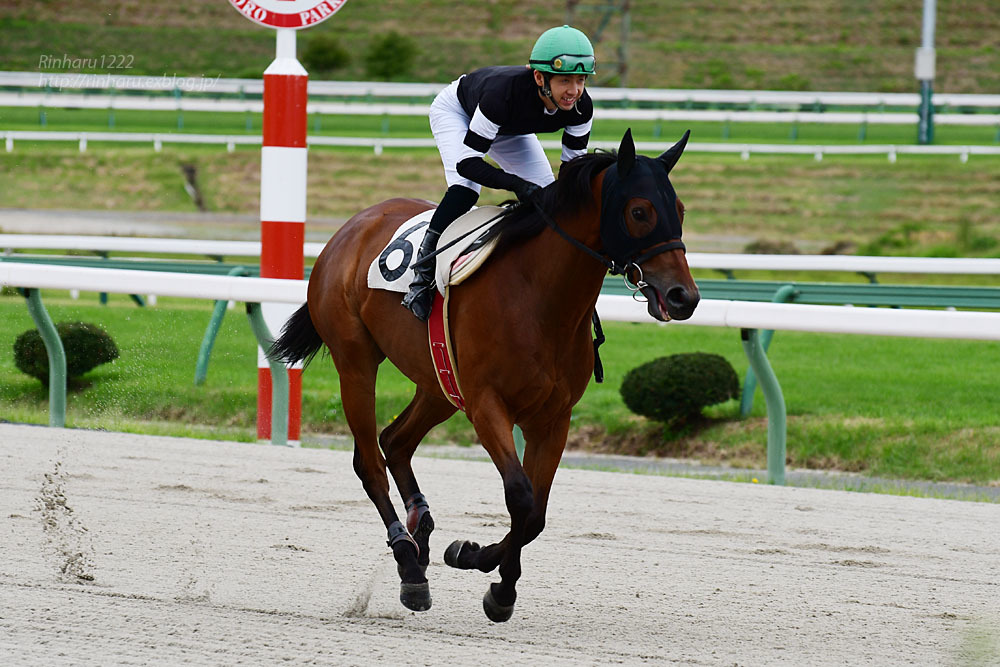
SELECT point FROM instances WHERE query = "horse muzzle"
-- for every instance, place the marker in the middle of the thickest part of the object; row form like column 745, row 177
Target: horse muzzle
column 676, row 302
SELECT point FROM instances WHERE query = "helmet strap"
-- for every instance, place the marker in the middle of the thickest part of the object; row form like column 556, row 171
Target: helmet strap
column 547, row 88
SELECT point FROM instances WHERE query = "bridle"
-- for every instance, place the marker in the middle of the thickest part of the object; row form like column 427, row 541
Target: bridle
column 628, row 253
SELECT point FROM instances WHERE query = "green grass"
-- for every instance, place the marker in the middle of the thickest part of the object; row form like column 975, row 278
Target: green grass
column 895, row 408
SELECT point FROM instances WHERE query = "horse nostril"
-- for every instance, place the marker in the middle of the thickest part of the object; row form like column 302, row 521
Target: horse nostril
column 678, row 297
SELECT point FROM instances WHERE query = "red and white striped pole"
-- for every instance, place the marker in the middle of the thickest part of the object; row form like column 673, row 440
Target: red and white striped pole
column 283, row 169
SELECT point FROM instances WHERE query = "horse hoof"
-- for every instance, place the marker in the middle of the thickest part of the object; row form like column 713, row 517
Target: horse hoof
column 415, row 596
column 451, row 553
column 454, row 552
column 399, row 569
column 496, row 612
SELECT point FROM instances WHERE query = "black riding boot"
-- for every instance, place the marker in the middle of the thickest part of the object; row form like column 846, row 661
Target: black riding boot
column 420, row 298
column 457, row 201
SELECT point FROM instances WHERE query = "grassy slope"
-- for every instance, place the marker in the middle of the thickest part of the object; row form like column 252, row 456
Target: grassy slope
column 807, row 44
column 938, row 421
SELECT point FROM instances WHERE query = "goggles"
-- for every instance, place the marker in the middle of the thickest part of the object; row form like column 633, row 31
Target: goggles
column 568, row 63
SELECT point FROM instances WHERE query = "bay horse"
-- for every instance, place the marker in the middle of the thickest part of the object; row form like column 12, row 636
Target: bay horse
column 521, row 330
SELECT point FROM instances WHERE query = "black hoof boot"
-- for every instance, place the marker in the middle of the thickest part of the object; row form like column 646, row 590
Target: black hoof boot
column 422, row 536
column 498, row 613
column 416, row 596
column 414, row 591
column 400, row 570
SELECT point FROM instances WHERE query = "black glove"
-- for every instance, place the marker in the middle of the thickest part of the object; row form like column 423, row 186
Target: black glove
column 526, row 191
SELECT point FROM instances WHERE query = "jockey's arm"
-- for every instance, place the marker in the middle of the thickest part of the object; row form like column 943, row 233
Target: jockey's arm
column 471, row 165
column 575, row 139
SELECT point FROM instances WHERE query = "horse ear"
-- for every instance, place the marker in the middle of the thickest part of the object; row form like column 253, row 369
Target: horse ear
column 673, row 154
column 626, row 154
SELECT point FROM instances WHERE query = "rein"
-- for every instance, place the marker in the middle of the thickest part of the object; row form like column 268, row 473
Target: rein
column 609, row 264
column 612, row 266
column 431, row 256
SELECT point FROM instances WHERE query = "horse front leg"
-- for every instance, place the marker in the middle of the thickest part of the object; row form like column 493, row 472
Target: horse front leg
column 494, row 429
column 545, row 442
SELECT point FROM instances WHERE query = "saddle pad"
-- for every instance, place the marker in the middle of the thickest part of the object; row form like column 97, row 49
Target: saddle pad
column 391, row 269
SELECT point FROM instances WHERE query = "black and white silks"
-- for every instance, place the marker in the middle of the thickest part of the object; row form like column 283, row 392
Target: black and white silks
column 496, row 111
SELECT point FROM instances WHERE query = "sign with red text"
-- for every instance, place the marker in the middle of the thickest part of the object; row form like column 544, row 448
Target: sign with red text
column 292, row 14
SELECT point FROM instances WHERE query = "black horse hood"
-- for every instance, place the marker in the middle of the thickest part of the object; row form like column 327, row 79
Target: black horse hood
column 640, row 176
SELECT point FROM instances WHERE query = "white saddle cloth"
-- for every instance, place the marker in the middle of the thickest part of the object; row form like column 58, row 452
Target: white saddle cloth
column 391, row 270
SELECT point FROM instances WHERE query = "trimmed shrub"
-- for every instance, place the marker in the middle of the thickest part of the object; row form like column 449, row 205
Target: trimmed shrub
column 677, row 387
column 390, row 56
column 87, row 346
column 324, row 53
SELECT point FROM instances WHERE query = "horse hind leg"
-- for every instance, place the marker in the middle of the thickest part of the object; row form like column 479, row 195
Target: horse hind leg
column 357, row 389
column 398, row 441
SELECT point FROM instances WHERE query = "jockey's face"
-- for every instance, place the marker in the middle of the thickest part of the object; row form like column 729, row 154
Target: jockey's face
column 566, row 88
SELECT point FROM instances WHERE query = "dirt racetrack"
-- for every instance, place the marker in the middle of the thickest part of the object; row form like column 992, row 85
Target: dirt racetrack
column 121, row 549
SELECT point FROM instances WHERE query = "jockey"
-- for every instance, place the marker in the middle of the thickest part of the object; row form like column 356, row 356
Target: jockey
column 496, row 111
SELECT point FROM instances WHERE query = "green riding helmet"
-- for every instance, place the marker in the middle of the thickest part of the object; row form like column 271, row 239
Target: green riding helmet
column 563, row 50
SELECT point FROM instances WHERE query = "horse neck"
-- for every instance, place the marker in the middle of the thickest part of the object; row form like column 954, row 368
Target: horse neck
column 567, row 278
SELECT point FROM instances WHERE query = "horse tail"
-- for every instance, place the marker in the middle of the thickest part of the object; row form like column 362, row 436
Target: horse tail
column 298, row 340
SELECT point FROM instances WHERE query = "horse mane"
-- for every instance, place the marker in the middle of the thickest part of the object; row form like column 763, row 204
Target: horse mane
column 569, row 194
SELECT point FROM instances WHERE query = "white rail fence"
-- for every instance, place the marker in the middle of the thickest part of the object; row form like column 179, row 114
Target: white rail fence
column 379, row 144
column 375, row 89
column 696, row 260
column 132, row 102
column 734, row 314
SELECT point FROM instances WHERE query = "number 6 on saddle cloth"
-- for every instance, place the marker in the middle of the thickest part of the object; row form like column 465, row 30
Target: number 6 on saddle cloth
column 460, row 253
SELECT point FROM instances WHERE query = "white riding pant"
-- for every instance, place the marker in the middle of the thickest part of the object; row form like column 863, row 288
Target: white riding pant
column 519, row 154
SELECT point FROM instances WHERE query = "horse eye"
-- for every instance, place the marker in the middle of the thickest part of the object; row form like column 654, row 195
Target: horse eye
column 638, row 213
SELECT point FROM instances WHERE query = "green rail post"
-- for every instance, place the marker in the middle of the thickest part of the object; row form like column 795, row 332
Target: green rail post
column 279, row 377
column 775, row 405
column 57, row 357
column 180, row 113
column 214, row 324
column 519, row 442
column 784, row 294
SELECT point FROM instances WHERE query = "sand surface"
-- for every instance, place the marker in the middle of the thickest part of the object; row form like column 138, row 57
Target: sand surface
column 121, row 549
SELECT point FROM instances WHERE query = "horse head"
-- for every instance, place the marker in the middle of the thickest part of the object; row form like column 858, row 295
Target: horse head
column 641, row 219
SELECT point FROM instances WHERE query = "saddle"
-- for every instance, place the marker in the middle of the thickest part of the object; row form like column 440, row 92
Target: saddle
column 455, row 263
column 462, row 252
